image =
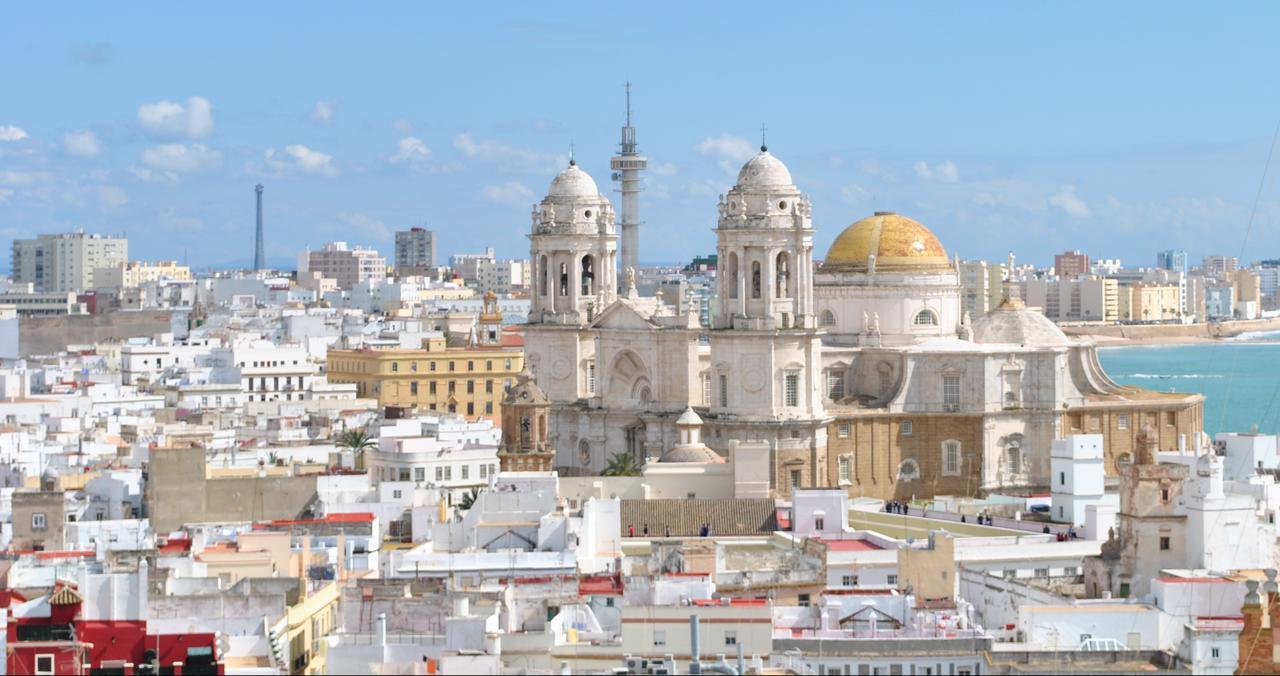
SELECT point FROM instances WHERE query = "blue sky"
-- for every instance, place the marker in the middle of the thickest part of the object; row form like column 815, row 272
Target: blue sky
column 1117, row 128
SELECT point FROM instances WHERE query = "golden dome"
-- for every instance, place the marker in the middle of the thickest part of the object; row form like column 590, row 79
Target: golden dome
column 900, row 244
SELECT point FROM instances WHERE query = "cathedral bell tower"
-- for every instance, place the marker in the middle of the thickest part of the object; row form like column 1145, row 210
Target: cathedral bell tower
column 524, row 428
column 574, row 249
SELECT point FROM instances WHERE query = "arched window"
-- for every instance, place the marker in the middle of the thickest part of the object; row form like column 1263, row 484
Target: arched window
column 828, row 318
column 755, row 279
column 783, row 286
column 564, row 279
column 733, row 275
column 908, row 470
column 584, row 452
column 542, row 276
column 588, row 275
column 951, row 457
column 926, row 318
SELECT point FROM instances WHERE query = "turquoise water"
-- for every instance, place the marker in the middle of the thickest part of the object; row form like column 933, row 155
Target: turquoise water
column 1239, row 378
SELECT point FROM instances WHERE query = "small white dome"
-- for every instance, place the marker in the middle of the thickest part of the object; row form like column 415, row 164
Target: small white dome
column 573, row 182
column 689, row 418
column 764, row 170
column 1007, row 325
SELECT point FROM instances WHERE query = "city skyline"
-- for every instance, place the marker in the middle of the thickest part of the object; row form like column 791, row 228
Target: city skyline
column 1100, row 154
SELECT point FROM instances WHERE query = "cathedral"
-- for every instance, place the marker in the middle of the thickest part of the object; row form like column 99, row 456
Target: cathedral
column 859, row 371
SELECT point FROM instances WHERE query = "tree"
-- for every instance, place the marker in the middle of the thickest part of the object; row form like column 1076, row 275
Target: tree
column 469, row 499
column 358, row 441
column 622, row 464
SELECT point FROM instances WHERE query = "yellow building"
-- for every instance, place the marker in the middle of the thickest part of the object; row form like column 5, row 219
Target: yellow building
column 135, row 273
column 465, row 380
column 1149, row 302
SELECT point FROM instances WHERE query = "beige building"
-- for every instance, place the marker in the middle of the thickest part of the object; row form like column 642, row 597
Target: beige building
column 981, row 286
column 135, row 273
column 1091, row 298
column 38, row 520
column 347, row 266
column 1147, row 302
column 465, row 380
column 66, row 262
column 930, row 571
column 180, row 490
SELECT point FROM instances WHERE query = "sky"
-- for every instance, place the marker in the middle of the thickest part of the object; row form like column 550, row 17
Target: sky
column 1116, row 128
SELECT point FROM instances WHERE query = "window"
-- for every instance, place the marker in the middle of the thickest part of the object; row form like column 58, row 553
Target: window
column 488, row 386
column 803, row 600
column 1164, row 543
column 907, row 428
column 755, row 279
column 835, row 386
column 659, row 637
column 706, row 389
column 908, row 470
column 926, row 318
column 471, row 387
column 730, row 637
column 791, row 389
column 828, row 318
column 1062, row 478
column 450, row 366
column 951, row 392
column 419, row 473
column 483, row 470
column 951, row 457
column 724, row 390
column 439, row 474
column 466, row 469
column 1042, row 572
column 849, row 580
column 44, row 665
column 795, row 479
column 1070, row 571
column 38, row 521
column 448, row 473
column 395, row 366
column 1215, row 652
column 591, row 377
column 431, row 387
column 843, row 471
column 413, row 388
column 471, row 408
column 395, row 495
column 431, row 366
column 892, row 580
column 471, row 366
column 1122, row 421
column 842, row 430
column 1164, row 494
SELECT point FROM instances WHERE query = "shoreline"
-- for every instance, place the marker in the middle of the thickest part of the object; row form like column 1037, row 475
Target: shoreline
column 1151, row 341
column 1239, row 331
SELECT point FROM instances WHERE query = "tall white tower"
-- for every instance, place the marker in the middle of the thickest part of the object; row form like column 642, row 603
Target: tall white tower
column 573, row 245
column 626, row 166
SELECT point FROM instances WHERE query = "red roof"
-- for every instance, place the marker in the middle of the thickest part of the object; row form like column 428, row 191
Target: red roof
column 512, row 340
column 1193, row 580
column 175, row 546
column 600, row 585
column 850, row 545
column 341, row 517
column 729, row 602
column 77, row 554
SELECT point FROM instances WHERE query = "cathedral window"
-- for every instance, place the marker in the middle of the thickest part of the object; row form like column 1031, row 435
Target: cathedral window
column 908, row 470
column 791, row 389
column 706, row 389
column 951, row 392
column 828, row 318
column 542, row 276
column 926, row 318
column 755, row 279
column 1122, row 421
column 584, row 452
column 783, row 289
column 844, row 472
column 564, row 279
column 733, row 275
column 591, row 377
column 907, row 428
column 951, row 457
column 842, row 430
column 835, row 385
column 588, row 275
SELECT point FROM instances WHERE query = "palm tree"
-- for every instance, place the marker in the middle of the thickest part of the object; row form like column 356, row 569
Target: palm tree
column 358, row 441
column 622, row 464
column 468, row 499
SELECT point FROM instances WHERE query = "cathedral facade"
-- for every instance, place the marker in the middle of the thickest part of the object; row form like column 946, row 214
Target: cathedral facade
column 861, row 372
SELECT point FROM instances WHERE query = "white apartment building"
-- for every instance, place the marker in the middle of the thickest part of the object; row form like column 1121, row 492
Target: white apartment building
column 981, row 286
column 486, row 272
column 66, row 262
column 265, row 371
column 136, row 273
column 348, row 266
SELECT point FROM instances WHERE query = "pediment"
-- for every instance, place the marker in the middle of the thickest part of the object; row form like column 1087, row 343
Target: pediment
column 621, row 315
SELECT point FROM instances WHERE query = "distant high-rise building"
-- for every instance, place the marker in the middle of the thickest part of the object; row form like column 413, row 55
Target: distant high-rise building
column 347, row 266
column 259, row 251
column 981, row 286
column 489, row 273
column 1069, row 264
column 1172, row 259
column 415, row 248
column 1220, row 267
column 66, row 262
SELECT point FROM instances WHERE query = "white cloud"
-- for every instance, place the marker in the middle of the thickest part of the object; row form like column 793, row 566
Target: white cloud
column 111, row 197
column 664, row 169
column 944, row 171
column 166, row 118
column 1070, row 203
column 1014, row 193
column 505, row 156
column 323, row 111
column 298, row 158
column 511, row 192
column 177, row 158
column 9, row 132
column 83, row 143
column 854, row 194
column 729, row 151
column 411, row 151
column 403, row 126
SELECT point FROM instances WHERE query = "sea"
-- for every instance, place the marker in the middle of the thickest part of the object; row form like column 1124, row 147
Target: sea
column 1239, row 377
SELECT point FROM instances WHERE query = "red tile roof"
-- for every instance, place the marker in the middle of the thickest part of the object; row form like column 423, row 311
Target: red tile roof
column 850, row 545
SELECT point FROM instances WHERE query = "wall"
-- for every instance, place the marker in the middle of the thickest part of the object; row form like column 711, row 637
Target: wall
column 49, row 335
column 178, row 493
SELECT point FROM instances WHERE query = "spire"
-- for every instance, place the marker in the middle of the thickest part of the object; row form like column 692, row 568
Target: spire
column 628, row 86
column 572, row 162
column 764, row 145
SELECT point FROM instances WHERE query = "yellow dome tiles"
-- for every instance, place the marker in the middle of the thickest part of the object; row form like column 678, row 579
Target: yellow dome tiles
column 900, row 244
